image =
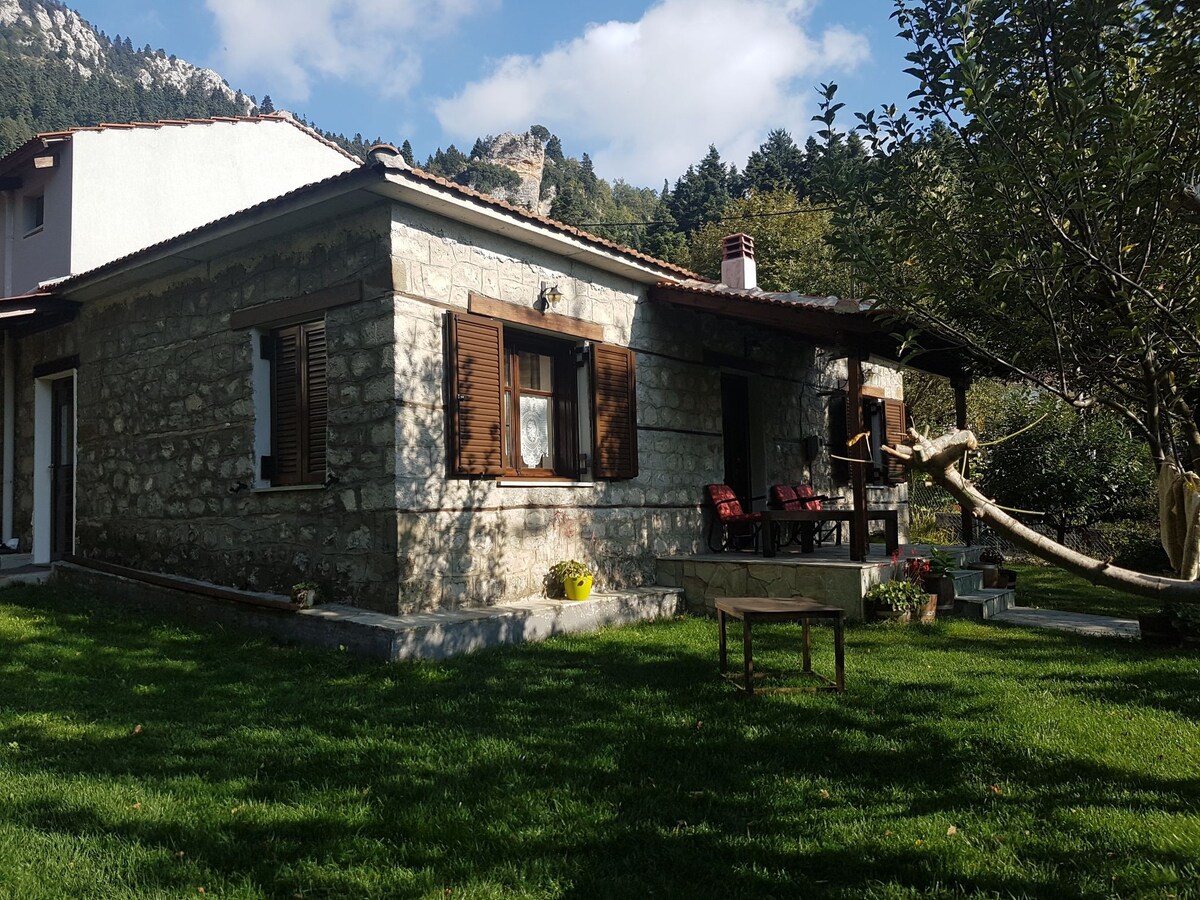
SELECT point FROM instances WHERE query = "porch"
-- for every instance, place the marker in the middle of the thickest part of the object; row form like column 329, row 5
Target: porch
column 828, row 574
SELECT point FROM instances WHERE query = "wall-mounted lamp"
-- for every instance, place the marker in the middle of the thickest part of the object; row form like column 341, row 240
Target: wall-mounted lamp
column 547, row 297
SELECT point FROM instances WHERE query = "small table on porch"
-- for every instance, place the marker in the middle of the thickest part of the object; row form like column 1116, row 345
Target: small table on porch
column 808, row 519
column 798, row 609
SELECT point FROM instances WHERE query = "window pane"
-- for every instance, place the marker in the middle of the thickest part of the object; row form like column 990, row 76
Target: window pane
column 535, row 371
column 536, row 450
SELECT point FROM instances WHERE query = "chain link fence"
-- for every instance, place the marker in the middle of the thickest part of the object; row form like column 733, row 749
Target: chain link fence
column 935, row 519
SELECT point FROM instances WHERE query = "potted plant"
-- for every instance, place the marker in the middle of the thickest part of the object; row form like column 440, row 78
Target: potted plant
column 904, row 597
column 304, row 593
column 900, row 600
column 990, row 561
column 940, row 581
column 575, row 578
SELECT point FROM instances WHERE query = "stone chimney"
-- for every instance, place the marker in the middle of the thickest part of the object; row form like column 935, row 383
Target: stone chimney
column 737, row 263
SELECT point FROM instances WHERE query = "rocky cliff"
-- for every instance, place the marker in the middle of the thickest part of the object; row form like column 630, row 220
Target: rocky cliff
column 524, row 154
column 48, row 30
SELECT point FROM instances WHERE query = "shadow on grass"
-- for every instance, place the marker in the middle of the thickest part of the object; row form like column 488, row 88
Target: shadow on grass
column 611, row 765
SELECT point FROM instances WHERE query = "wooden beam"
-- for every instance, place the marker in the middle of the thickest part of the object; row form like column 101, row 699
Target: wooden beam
column 280, row 311
column 960, row 386
column 859, row 540
column 483, row 305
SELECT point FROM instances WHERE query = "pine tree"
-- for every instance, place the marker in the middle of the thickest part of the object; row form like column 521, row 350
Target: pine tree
column 267, row 105
column 406, row 152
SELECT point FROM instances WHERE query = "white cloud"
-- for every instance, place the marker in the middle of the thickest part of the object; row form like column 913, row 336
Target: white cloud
column 646, row 98
column 291, row 42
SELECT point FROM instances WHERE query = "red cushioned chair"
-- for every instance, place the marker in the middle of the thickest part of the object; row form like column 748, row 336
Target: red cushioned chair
column 729, row 520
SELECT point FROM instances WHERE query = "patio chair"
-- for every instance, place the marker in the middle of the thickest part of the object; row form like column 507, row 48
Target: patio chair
column 810, row 499
column 730, row 522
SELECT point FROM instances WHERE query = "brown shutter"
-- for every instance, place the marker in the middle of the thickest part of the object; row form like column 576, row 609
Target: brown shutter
column 315, row 395
column 895, row 427
column 285, row 406
column 615, row 409
column 476, row 395
column 299, row 404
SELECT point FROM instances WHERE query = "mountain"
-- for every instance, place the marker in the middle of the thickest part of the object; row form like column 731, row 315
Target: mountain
column 56, row 70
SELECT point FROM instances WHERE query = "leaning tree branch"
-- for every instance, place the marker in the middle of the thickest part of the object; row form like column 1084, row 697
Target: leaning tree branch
column 938, row 458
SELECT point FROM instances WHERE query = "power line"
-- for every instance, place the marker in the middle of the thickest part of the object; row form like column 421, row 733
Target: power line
column 766, row 215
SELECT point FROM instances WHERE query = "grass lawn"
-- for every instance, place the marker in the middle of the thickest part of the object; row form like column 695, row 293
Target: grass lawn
column 153, row 760
column 1048, row 587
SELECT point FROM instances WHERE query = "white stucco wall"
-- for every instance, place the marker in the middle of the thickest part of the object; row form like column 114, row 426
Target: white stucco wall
column 46, row 253
column 135, row 187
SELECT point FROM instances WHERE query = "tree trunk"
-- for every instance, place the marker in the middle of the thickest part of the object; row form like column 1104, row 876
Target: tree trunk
column 938, row 458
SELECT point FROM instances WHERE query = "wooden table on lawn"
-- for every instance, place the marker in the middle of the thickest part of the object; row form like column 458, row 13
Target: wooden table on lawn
column 808, row 519
column 799, row 609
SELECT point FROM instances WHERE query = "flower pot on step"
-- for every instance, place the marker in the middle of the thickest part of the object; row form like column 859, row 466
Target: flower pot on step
column 578, row 588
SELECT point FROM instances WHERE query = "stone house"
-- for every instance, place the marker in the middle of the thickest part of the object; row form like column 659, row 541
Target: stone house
column 417, row 396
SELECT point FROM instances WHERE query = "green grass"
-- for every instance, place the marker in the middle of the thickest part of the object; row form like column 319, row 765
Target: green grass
column 1050, row 588
column 146, row 759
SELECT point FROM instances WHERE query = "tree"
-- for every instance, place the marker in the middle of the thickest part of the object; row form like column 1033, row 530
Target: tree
column 777, row 165
column 406, row 152
column 267, row 106
column 1039, row 224
column 702, row 192
column 791, row 248
column 541, row 132
column 1077, row 468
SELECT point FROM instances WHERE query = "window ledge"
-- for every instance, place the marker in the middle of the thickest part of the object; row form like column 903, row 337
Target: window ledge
column 543, row 482
column 32, row 231
column 281, row 488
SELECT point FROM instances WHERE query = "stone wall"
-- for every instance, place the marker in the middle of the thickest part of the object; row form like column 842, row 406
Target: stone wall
column 472, row 541
column 166, row 423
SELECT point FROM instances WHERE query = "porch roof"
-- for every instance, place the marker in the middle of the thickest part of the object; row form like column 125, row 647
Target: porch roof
column 30, row 313
column 855, row 326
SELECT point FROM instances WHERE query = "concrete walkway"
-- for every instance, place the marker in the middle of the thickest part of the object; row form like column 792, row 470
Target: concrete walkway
column 1079, row 623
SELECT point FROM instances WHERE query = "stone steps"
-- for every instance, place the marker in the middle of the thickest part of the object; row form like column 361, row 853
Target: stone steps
column 985, row 603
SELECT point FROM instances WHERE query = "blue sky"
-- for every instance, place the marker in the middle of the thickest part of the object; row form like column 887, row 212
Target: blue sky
column 644, row 87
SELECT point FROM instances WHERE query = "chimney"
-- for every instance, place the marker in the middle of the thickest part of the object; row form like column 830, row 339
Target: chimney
column 737, row 263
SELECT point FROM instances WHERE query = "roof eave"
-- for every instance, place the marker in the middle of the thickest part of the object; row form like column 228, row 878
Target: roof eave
column 428, row 195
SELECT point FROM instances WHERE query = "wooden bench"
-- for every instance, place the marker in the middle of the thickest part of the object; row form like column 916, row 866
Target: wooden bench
column 765, row 609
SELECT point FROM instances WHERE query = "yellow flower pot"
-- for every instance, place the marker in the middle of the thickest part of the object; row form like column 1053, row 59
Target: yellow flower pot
column 578, row 588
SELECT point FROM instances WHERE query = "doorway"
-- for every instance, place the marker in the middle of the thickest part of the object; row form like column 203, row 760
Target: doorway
column 53, row 466
column 735, row 425
column 62, row 467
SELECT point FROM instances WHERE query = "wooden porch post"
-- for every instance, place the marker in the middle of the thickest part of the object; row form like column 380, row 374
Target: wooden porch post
column 858, row 471
column 960, row 385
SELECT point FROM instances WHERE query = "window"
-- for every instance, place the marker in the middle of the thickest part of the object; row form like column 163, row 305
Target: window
column 299, row 404
column 34, row 213
column 515, row 407
column 885, row 421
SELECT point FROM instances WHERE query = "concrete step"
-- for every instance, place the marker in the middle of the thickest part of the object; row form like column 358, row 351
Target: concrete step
column 985, row 603
column 967, row 581
column 15, row 560
column 443, row 633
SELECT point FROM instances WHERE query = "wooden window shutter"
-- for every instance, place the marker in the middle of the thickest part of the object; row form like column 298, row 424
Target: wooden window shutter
column 299, row 404
column 839, row 431
column 615, row 408
column 315, row 397
column 475, row 402
column 895, row 427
